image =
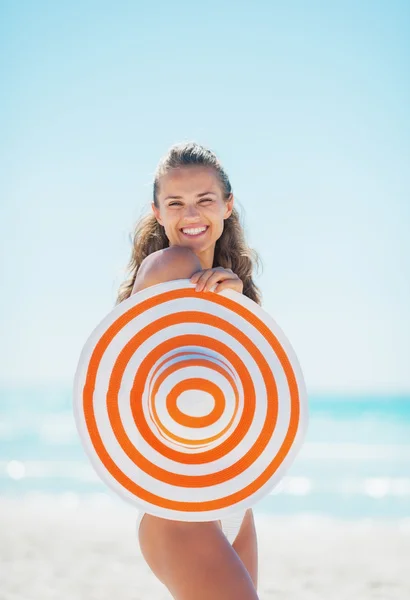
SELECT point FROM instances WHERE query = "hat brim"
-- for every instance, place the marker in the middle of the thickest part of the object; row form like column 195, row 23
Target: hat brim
column 190, row 405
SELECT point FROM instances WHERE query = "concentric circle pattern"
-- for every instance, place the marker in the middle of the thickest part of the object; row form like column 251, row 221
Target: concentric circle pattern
column 190, row 405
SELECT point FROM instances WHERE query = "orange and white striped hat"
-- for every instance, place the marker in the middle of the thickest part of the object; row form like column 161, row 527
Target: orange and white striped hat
column 190, row 405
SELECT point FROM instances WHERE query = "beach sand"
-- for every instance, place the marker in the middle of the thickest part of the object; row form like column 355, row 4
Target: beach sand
column 53, row 550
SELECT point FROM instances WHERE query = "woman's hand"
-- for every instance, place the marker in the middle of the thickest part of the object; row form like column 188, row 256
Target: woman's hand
column 225, row 278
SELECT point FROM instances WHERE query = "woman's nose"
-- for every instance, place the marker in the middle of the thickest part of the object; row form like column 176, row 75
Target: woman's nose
column 191, row 211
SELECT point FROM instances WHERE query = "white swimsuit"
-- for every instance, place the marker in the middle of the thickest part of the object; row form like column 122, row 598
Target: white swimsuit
column 230, row 525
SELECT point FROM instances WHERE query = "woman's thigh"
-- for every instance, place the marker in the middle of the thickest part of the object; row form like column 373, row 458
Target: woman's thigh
column 246, row 546
column 194, row 561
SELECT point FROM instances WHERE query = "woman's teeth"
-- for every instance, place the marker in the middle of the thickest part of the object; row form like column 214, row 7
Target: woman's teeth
column 194, row 232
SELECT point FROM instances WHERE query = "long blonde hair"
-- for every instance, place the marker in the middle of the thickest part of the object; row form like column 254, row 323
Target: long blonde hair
column 231, row 249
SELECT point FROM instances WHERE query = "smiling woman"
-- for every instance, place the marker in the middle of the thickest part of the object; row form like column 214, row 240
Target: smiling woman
column 197, row 218
column 194, row 232
column 190, row 190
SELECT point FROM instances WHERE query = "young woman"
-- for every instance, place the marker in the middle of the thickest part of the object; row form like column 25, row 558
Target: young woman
column 194, row 232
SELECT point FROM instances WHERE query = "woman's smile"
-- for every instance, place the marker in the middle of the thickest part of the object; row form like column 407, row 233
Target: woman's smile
column 194, row 232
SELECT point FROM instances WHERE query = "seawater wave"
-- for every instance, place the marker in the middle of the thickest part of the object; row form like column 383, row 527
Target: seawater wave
column 299, row 486
column 355, row 461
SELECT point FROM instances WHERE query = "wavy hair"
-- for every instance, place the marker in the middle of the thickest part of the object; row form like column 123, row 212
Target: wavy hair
column 231, row 249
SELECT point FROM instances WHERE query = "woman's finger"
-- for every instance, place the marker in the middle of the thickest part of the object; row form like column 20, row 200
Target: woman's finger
column 215, row 278
column 231, row 284
column 208, row 277
column 203, row 279
column 196, row 276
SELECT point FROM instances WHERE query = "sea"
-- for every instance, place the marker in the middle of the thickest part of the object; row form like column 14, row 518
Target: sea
column 354, row 462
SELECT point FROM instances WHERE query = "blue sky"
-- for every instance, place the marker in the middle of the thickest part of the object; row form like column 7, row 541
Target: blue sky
column 306, row 104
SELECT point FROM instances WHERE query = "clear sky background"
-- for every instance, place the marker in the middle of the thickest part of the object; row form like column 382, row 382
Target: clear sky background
column 305, row 102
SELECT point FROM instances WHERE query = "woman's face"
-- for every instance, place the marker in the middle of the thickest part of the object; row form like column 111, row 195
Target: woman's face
column 191, row 198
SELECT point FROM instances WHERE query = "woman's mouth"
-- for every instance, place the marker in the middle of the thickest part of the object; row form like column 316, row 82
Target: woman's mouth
column 194, row 232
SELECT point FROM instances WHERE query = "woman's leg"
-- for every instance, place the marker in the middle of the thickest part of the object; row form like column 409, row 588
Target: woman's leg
column 194, row 561
column 246, row 546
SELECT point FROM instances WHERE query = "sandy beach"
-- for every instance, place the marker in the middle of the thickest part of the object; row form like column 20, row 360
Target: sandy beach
column 60, row 550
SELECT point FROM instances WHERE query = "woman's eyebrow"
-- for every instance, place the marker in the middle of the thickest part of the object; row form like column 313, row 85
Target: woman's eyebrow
column 198, row 196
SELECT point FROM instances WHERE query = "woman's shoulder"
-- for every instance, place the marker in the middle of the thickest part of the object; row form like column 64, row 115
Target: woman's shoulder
column 164, row 265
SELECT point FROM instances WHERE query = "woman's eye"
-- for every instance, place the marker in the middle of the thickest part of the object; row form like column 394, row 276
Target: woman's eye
column 203, row 200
